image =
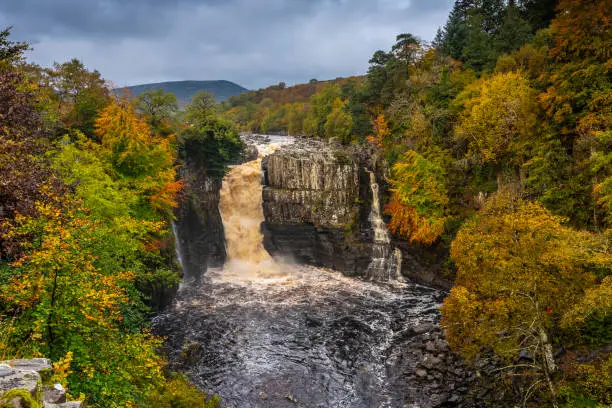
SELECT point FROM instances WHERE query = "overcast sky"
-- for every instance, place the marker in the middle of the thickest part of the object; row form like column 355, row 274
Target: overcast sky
column 254, row 43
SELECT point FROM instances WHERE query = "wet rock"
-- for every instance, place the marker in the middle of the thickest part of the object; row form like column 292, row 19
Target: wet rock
column 19, row 379
column 26, row 375
column 423, row 328
column 249, row 153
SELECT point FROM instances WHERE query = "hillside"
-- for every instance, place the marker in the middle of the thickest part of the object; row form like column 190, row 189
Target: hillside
column 184, row 90
column 279, row 94
column 281, row 109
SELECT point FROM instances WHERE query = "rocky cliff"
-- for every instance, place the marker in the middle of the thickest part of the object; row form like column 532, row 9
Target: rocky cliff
column 313, row 206
column 198, row 228
column 317, row 202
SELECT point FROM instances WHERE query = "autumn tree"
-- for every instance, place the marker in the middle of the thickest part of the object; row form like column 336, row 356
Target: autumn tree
column 23, row 144
column 520, row 272
column 419, row 200
column 136, row 153
column 498, row 120
column 380, row 131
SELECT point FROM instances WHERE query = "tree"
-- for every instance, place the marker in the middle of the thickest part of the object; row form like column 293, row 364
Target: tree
column 499, row 117
column 201, row 108
column 321, row 105
column 519, row 271
column 159, row 107
column 407, row 48
column 11, row 51
column 453, row 37
column 419, row 200
column 81, row 94
column 381, row 132
column 134, row 152
column 23, row 144
column 209, row 141
column 513, row 32
column 339, row 122
column 538, row 13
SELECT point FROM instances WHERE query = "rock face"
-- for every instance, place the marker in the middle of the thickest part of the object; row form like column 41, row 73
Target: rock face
column 21, row 384
column 318, row 202
column 199, row 229
column 313, row 205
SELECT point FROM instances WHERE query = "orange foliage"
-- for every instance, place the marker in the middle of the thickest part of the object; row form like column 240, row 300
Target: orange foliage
column 582, row 29
column 405, row 221
column 138, row 153
column 380, row 127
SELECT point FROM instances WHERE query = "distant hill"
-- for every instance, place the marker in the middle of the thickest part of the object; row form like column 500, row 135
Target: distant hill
column 184, row 90
column 281, row 94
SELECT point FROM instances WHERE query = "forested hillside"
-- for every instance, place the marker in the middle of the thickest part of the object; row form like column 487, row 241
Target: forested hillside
column 88, row 185
column 278, row 108
column 497, row 136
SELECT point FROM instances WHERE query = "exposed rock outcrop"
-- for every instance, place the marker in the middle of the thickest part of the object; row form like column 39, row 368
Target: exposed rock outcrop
column 317, row 201
column 23, row 384
column 199, row 229
column 313, row 206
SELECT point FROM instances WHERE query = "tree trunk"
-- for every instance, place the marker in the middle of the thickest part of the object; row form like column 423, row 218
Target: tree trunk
column 549, row 363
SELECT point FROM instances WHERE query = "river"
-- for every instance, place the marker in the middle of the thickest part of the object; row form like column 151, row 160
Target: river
column 261, row 333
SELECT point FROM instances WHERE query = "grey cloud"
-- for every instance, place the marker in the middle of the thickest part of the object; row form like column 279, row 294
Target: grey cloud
column 252, row 42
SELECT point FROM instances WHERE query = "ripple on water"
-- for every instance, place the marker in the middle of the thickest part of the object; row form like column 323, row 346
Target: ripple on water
column 312, row 335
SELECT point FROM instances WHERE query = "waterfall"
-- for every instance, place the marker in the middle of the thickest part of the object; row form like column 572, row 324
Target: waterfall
column 386, row 260
column 242, row 215
column 177, row 244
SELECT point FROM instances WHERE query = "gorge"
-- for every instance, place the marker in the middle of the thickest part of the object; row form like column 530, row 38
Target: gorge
column 283, row 328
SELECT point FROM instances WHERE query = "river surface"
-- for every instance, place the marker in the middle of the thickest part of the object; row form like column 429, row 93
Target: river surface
column 261, row 333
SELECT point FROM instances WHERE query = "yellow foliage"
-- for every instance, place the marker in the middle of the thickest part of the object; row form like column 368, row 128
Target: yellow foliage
column 499, row 116
column 520, row 270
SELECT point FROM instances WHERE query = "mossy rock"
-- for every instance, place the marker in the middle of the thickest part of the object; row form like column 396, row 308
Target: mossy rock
column 23, row 396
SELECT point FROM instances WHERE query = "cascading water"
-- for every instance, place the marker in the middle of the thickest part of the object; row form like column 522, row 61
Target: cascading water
column 177, row 244
column 386, row 261
column 264, row 334
column 242, row 215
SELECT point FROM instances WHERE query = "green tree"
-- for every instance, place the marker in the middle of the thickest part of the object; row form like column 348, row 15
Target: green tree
column 321, row 105
column 514, row 30
column 159, row 107
column 339, row 122
column 81, row 94
column 11, row 51
column 201, row 108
